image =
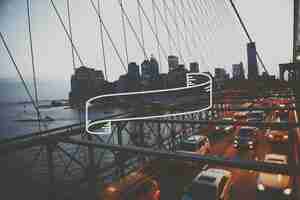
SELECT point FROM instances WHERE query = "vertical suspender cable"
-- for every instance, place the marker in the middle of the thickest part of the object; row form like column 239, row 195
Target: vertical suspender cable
column 247, row 33
column 124, row 31
column 102, row 42
column 166, row 19
column 19, row 73
column 141, row 24
column 151, row 28
column 108, row 35
column 135, row 33
column 71, row 34
column 33, row 64
column 67, row 34
column 156, row 33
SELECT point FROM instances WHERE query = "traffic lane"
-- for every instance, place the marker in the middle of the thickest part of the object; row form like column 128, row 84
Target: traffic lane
column 244, row 181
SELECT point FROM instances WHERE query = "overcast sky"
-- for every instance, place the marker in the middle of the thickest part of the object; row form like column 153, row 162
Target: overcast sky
column 219, row 41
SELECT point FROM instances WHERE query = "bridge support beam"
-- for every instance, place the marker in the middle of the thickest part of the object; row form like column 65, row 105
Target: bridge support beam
column 51, row 175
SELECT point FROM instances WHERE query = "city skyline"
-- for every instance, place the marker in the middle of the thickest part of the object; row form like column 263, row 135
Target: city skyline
column 53, row 55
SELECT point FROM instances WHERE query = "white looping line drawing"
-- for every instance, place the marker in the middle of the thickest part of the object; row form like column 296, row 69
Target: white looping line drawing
column 190, row 78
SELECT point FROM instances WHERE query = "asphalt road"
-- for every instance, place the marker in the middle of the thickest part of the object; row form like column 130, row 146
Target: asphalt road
column 244, row 181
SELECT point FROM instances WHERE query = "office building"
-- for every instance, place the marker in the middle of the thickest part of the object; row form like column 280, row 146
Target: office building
column 194, row 67
column 252, row 61
column 133, row 71
column 85, row 83
column 173, row 62
column 238, row 72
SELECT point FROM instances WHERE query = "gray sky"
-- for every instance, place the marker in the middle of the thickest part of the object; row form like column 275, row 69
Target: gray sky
column 221, row 43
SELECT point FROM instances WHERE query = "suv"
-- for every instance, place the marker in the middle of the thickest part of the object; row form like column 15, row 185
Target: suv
column 134, row 186
column 274, row 185
column 211, row 184
column 196, row 143
column 277, row 135
column 255, row 116
column 246, row 137
column 226, row 128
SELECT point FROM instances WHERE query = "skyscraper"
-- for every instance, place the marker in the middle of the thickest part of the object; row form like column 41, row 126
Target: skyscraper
column 150, row 69
column 238, row 72
column 252, row 61
column 133, row 71
column 194, row 67
column 173, row 62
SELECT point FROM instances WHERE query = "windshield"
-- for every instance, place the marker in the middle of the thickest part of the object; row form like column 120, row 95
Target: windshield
column 255, row 115
column 189, row 146
column 200, row 191
column 245, row 132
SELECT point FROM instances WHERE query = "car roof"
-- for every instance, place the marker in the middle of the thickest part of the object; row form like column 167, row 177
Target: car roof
column 195, row 138
column 256, row 111
column 248, row 127
column 276, row 158
column 211, row 176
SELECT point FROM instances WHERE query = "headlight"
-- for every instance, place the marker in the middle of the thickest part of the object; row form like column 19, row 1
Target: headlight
column 270, row 136
column 260, row 187
column 286, row 137
column 287, row 191
column 250, row 142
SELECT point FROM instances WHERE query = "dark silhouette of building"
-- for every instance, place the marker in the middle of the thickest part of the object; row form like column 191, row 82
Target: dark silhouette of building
column 194, row 67
column 220, row 77
column 86, row 83
column 177, row 77
column 293, row 70
column 238, row 72
column 133, row 71
column 150, row 73
column 173, row 62
column 252, row 61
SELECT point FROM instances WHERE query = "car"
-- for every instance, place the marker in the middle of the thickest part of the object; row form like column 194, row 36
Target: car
column 226, row 128
column 246, row 137
column 134, row 186
column 276, row 185
column 255, row 116
column 210, row 184
column 276, row 135
column 196, row 143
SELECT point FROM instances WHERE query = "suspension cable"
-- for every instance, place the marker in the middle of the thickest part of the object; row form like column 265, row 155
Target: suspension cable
column 109, row 36
column 151, row 28
column 156, row 33
column 19, row 72
column 166, row 26
column 33, row 64
column 174, row 17
column 186, row 29
column 135, row 33
column 199, row 37
column 234, row 23
column 208, row 37
column 178, row 43
column 141, row 24
column 233, row 27
column 102, row 42
column 71, row 33
column 247, row 33
column 202, row 56
column 124, row 32
column 67, row 34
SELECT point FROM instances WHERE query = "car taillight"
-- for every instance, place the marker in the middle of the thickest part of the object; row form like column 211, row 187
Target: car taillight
column 157, row 195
